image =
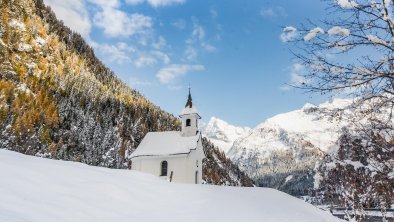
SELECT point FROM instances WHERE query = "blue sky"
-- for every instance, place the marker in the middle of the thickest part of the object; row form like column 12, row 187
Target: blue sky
column 229, row 51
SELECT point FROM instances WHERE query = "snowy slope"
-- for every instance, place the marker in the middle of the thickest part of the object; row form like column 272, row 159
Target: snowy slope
column 310, row 124
column 34, row 189
column 289, row 144
column 223, row 134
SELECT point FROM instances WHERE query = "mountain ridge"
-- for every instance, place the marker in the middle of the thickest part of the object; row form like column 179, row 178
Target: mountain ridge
column 281, row 152
column 223, row 134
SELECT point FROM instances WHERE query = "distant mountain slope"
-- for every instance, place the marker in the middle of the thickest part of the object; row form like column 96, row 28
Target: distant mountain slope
column 223, row 134
column 282, row 151
column 57, row 100
column 42, row 190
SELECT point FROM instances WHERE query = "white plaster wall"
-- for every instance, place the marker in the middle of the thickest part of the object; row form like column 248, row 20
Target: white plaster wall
column 183, row 166
column 192, row 129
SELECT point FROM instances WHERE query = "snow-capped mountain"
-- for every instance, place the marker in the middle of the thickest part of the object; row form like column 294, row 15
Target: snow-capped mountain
column 290, row 142
column 314, row 124
column 223, row 134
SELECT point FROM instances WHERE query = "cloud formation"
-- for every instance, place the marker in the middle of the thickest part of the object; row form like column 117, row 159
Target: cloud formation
column 115, row 53
column 156, row 3
column 296, row 74
column 179, row 24
column 117, row 23
column 273, row 12
column 197, row 42
column 169, row 73
column 73, row 14
column 296, row 77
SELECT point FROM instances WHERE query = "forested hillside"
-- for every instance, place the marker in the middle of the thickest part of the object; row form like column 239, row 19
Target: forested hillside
column 57, row 100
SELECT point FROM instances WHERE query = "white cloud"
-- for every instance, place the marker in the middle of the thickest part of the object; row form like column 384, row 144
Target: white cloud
column 160, row 43
column 160, row 3
column 213, row 13
column 74, row 15
column 273, row 12
column 180, row 24
column 297, row 77
column 134, row 2
column 156, row 3
column 144, row 61
column 196, row 41
column 171, row 72
column 162, row 56
column 118, row 53
column 208, row 47
column 191, row 53
column 118, row 23
column 288, row 34
column 198, row 34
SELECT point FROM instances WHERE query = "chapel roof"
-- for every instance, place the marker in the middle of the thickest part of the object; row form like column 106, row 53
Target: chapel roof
column 165, row 144
column 189, row 108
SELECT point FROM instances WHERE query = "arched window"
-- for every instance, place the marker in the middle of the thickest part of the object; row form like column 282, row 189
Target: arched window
column 188, row 122
column 164, row 167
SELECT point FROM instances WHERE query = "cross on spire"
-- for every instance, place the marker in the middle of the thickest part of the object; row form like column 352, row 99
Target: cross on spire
column 189, row 102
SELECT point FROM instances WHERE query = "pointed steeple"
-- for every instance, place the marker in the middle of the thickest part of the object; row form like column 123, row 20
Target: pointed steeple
column 189, row 102
column 189, row 116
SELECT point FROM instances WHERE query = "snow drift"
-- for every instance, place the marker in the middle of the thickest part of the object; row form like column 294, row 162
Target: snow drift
column 35, row 189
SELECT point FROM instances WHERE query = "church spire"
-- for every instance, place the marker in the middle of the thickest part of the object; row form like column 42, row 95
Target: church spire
column 189, row 102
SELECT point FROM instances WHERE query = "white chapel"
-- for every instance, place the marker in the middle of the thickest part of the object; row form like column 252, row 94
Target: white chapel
column 173, row 155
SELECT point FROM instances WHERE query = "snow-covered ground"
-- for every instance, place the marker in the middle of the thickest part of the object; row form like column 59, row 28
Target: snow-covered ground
column 36, row 189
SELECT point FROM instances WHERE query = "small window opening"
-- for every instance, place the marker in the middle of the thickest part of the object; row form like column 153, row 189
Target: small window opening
column 188, row 122
column 164, row 167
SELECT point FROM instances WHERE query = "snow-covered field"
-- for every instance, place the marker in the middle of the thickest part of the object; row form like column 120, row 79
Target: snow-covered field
column 36, row 189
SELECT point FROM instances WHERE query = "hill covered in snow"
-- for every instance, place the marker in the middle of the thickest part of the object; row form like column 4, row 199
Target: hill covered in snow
column 223, row 134
column 39, row 190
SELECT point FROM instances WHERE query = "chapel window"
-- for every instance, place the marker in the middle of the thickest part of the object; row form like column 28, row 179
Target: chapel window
column 164, row 167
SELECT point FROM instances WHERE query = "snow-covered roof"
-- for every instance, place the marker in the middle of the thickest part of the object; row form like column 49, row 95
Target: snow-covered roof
column 165, row 143
column 189, row 110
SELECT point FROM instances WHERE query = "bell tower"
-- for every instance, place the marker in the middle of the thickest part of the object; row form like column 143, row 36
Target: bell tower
column 189, row 117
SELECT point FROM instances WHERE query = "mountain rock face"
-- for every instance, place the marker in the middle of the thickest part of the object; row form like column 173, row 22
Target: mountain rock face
column 57, row 100
column 222, row 134
column 282, row 151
